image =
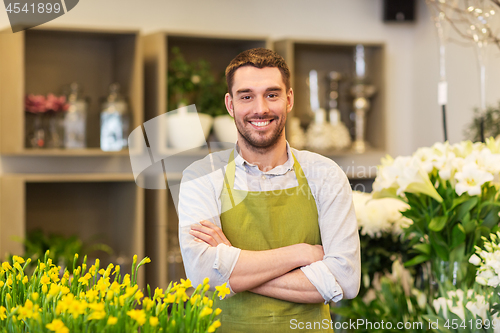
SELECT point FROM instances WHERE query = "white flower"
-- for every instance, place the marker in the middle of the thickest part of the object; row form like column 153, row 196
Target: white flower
column 376, row 216
column 470, row 179
column 479, row 308
column 475, row 260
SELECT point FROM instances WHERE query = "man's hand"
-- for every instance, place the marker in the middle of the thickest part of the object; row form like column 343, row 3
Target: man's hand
column 209, row 233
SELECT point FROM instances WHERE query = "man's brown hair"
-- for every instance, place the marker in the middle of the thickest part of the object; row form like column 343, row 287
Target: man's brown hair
column 258, row 58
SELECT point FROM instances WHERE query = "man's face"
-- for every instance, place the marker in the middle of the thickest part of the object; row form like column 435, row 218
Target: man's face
column 259, row 105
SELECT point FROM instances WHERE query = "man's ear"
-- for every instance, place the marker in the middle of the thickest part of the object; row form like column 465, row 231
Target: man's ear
column 289, row 100
column 228, row 100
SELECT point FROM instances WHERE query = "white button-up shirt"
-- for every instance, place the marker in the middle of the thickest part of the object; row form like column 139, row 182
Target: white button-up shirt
column 335, row 277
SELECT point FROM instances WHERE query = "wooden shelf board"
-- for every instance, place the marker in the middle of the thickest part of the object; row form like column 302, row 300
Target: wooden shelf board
column 68, row 152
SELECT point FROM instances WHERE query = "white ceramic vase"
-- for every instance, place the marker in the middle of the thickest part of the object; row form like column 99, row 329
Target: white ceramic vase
column 225, row 129
column 188, row 130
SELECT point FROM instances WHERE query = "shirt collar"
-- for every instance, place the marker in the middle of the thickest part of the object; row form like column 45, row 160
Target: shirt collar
column 278, row 170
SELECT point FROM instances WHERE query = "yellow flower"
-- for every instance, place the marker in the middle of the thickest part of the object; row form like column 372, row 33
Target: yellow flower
column 18, row 267
column 96, row 306
column 44, row 279
column 57, row 326
column 130, row 291
column 126, row 280
column 117, row 270
column 64, row 290
column 186, row 283
column 77, row 308
column 205, row 281
column 35, row 296
column 97, row 315
column 115, row 287
column 207, row 286
column 54, row 289
column 2, row 313
column 91, row 295
column 25, row 279
column 181, row 294
column 170, row 298
column 137, row 315
column 138, row 296
column 194, row 298
column 223, row 290
column 18, row 259
column 148, row 303
column 42, row 266
column 44, row 289
column 9, row 282
column 217, row 311
column 112, row 320
column 205, row 312
column 84, row 280
column 215, row 325
column 1, row 284
column 6, row 266
column 54, row 277
column 158, row 293
column 153, row 321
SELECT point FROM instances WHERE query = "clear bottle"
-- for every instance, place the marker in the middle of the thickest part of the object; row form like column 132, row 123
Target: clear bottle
column 115, row 120
column 75, row 119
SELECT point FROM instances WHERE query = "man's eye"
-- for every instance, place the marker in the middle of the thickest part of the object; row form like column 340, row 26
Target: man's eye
column 245, row 97
column 272, row 95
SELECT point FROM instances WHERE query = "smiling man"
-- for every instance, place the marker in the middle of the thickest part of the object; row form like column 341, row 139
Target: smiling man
column 274, row 223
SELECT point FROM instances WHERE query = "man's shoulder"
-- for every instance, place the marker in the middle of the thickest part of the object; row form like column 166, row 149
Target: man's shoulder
column 209, row 164
column 310, row 160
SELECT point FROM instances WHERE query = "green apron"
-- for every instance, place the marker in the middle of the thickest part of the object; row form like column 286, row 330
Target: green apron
column 263, row 221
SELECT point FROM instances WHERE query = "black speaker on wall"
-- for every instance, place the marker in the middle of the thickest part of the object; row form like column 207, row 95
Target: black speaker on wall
column 399, row 10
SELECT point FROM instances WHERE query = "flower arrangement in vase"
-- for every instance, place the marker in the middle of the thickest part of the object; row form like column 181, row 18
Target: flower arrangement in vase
column 44, row 128
column 452, row 192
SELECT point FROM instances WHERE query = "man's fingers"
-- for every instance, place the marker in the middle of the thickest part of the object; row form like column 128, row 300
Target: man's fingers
column 218, row 230
column 207, row 231
column 203, row 237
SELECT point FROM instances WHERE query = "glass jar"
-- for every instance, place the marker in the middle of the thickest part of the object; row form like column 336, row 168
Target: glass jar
column 75, row 119
column 115, row 120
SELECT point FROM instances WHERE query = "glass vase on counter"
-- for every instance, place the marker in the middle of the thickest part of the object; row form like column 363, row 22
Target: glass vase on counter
column 75, row 120
column 115, row 120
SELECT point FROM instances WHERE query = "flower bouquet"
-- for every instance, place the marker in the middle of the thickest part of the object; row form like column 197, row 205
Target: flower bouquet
column 98, row 300
column 452, row 192
column 44, row 129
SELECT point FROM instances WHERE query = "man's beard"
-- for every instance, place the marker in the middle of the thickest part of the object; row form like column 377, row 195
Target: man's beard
column 257, row 142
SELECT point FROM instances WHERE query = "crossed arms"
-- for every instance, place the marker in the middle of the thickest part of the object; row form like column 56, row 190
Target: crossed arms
column 272, row 273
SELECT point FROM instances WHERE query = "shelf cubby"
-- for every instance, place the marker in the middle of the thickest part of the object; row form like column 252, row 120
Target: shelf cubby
column 105, row 208
column 325, row 56
column 42, row 61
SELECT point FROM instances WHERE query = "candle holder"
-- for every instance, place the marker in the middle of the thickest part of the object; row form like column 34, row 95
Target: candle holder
column 361, row 92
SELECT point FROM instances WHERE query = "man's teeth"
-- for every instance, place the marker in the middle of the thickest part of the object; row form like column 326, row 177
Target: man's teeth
column 260, row 123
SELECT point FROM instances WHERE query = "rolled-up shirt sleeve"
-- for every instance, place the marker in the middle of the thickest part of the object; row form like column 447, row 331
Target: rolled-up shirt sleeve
column 338, row 275
column 198, row 201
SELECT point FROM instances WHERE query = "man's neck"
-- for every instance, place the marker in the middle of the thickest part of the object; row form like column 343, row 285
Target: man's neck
column 265, row 159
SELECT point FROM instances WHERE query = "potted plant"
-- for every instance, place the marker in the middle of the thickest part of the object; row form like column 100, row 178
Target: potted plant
column 193, row 83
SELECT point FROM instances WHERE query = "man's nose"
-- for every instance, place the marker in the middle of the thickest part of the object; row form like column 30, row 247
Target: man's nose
column 262, row 106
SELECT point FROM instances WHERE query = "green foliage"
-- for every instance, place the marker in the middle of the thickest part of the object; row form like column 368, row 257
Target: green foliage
column 195, row 83
column 378, row 255
column 391, row 304
column 491, row 124
column 62, row 249
column 448, row 231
